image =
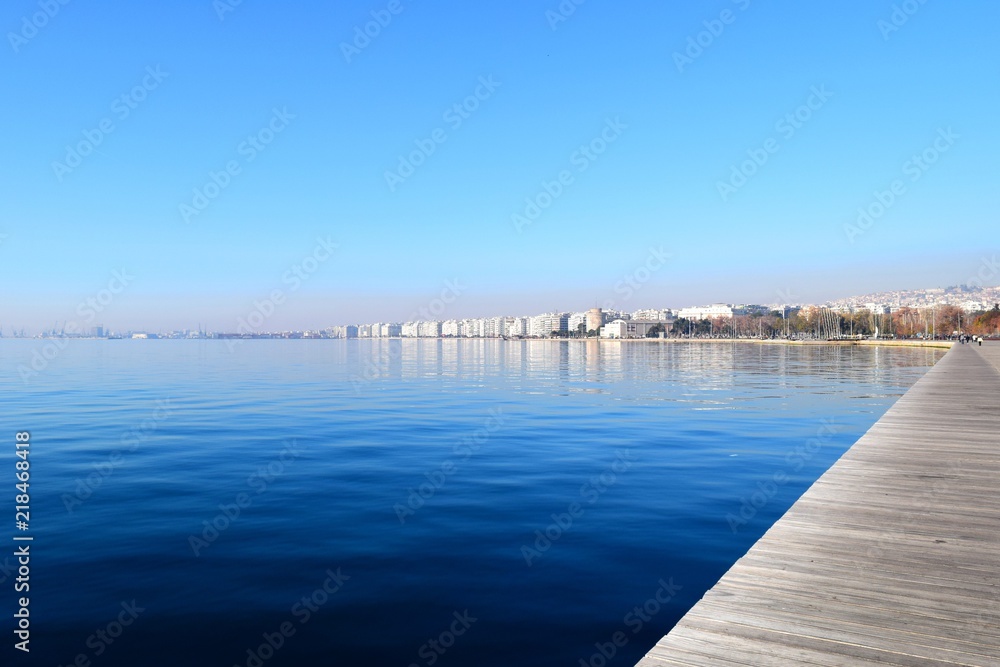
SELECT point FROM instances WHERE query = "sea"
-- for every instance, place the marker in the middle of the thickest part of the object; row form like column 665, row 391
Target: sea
column 403, row 502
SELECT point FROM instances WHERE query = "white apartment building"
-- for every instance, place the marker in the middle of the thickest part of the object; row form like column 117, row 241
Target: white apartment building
column 430, row 329
column 653, row 314
column 542, row 326
column 517, row 327
column 493, row 327
column 472, row 328
column 536, row 326
column 615, row 329
column 711, row 312
column 633, row 328
column 877, row 308
column 339, row 331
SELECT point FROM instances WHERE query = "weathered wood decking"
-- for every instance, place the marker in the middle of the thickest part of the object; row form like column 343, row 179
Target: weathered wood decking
column 891, row 558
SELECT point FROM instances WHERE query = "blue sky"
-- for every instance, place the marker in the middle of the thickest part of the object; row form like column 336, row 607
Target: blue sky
column 336, row 124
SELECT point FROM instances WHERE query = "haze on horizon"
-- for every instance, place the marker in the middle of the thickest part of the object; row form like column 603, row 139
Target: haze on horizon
column 536, row 154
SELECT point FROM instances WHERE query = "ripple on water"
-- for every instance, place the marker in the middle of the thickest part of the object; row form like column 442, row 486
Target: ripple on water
column 431, row 472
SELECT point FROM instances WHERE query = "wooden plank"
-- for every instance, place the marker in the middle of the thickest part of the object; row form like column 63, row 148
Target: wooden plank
column 891, row 558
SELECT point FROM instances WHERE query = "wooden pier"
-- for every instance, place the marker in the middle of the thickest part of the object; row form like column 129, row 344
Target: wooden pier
column 891, row 558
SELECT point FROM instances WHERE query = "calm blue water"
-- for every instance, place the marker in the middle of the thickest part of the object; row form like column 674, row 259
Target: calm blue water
column 641, row 451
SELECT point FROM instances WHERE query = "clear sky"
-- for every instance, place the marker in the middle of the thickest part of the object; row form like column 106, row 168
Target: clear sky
column 117, row 114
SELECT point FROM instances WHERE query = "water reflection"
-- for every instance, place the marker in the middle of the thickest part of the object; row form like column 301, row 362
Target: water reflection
column 592, row 365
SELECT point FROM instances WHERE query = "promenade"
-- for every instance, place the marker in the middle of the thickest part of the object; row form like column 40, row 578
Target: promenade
column 891, row 558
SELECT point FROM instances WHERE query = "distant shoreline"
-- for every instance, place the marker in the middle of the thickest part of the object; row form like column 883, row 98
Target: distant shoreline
column 886, row 342
column 889, row 342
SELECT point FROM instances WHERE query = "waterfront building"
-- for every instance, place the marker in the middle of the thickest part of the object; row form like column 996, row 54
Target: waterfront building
column 391, row 330
column 633, row 328
column 641, row 328
column 472, row 328
column 517, row 327
column 493, row 327
column 542, row 326
column 430, row 329
column 536, row 326
column 347, row 331
column 595, row 319
column 716, row 310
column 614, row 329
column 653, row 314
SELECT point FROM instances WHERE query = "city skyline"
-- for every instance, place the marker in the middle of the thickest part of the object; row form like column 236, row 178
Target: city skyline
column 541, row 155
column 972, row 297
